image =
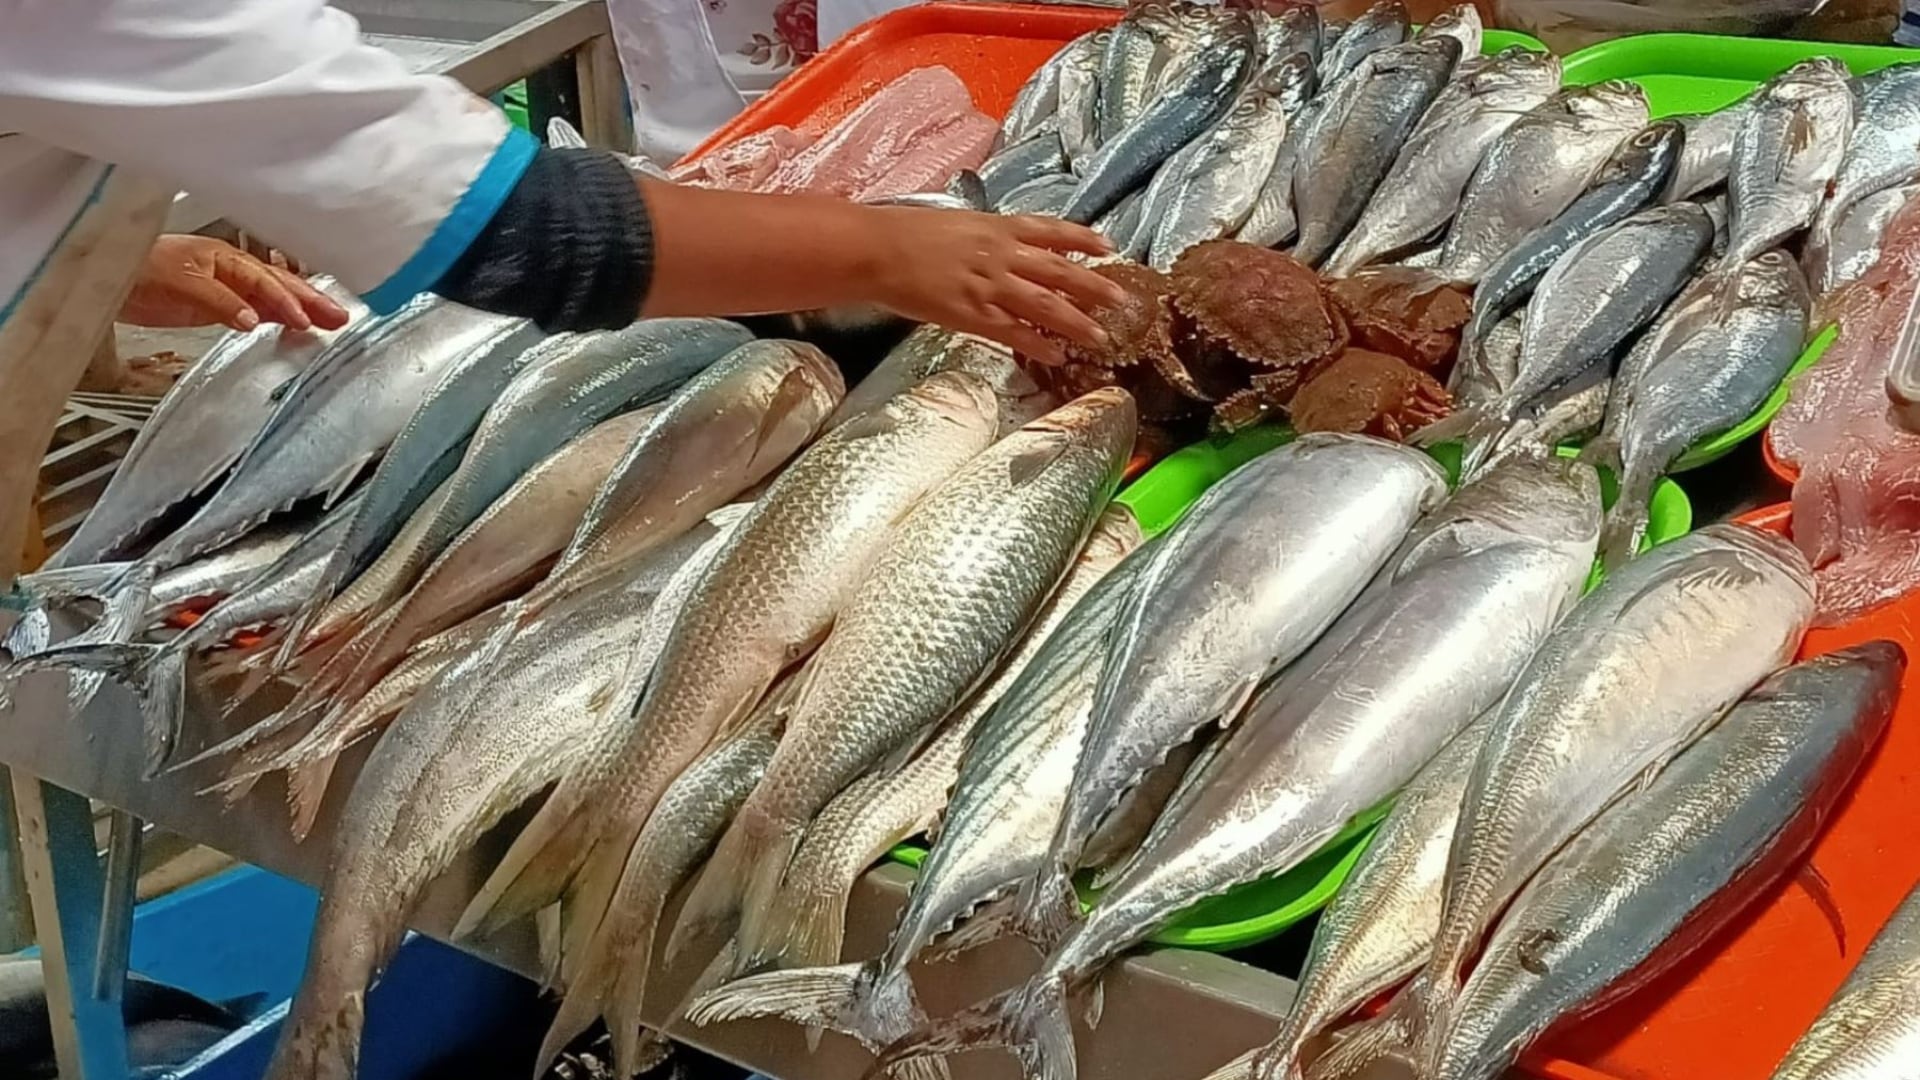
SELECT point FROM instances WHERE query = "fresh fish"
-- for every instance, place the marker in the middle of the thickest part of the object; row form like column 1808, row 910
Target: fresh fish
column 1381, row 26
column 1037, row 101
column 1634, row 672
column 422, row 456
column 1156, row 200
column 1127, row 220
column 693, row 813
column 1215, row 611
column 1021, row 164
column 1665, row 868
column 460, row 757
column 1379, row 928
column 1536, row 170
column 993, row 542
column 1577, row 415
column 1011, row 785
column 1853, row 245
column 1870, row 1030
column 1272, row 221
column 1079, row 106
column 1631, row 180
column 1786, row 154
column 1048, row 195
column 766, row 601
column 1884, row 152
column 1202, row 94
column 1336, row 734
column 1352, row 147
column 1218, row 184
column 721, row 434
column 1295, row 31
column 198, row 431
column 1421, row 192
column 1706, row 156
column 509, row 543
column 1127, row 68
column 930, row 350
column 1460, row 22
column 1702, row 380
column 217, row 576
column 1586, row 307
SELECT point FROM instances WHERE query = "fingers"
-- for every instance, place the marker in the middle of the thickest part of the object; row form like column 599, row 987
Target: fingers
column 321, row 308
column 261, row 286
column 203, row 301
column 1049, row 310
column 1057, row 235
column 1003, row 327
column 1082, row 285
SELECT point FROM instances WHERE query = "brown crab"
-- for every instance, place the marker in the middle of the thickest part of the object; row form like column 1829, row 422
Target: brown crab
column 1370, row 392
column 1249, row 316
column 1138, row 353
column 1406, row 313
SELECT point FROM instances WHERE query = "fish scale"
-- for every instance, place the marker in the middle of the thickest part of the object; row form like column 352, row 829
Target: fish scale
column 1788, row 150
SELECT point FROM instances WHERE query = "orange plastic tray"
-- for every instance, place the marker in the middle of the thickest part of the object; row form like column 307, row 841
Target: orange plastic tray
column 1731, row 1011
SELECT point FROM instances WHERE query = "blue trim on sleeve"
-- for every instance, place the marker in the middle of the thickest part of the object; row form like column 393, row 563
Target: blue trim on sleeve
column 456, row 232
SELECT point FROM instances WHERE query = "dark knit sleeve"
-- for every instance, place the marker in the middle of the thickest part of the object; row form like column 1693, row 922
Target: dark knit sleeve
column 571, row 247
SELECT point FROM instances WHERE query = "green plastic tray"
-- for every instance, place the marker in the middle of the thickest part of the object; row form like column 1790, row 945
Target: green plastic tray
column 1690, row 73
column 1261, row 909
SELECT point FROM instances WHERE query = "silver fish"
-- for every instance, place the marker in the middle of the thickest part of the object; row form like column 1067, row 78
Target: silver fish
column 766, row 601
column 1870, row 1030
column 1352, row 147
column 932, row 349
column 1011, row 784
column 1127, row 68
column 1295, row 31
column 461, row 756
column 1381, row 26
column 1021, row 164
column 1379, row 928
column 1037, row 101
column 1702, row 380
column 1048, row 195
column 1217, row 186
column 993, row 541
column 1215, row 611
column 1629, row 678
column 1536, row 170
column 1156, row 200
column 1079, row 107
column 1884, row 152
column 1631, row 180
column 1666, row 867
column 1422, row 190
column 1460, row 22
column 1127, row 220
column 1853, row 244
column 216, row 576
column 1590, row 304
column 1337, row 733
column 1786, row 154
column 1202, row 93
column 198, row 431
column 1707, row 155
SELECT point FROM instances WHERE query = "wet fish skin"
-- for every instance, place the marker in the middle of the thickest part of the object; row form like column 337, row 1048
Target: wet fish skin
column 1787, row 152
column 1423, row 188
column 1219, row 183
column 1460, row 22
column 1854, row 243
column 1882, row 152
column 1174, row 667
column 1703, row 380
column 766, row 601
column 1079, row 107
column 462, row 754
column 199, row 429
column 1379, row 928
column 1536, row 169
column 216, row 576
column 1127, row 68
column 1201, row 95
column 1353, row 146
column 1022, row 163
column 1296, row 30
column 1381, row 26
column 1707, row 157
column 1048, row 195
column 932, row 349
column 1662, row 870
column 994, row 542
column 1870, row 1029
column 1631, row 180
column 1038, row 100
column 1633, row 673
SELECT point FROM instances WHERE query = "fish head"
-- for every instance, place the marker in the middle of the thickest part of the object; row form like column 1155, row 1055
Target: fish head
column 1290, row 82
column 1434, row 54
column 1650, row 155
column 1772, row 280
column 1383, row 16
column 1531, row 494
column 1301, row 27
column 1875, row 669
column 1761, row 547
column 1613, row 102
column 1460, row 22
column 1519, row 67
column 1105, row 419
column 958, row 397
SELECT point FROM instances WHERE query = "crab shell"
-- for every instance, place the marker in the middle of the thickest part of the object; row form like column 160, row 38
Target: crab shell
column 1406, row 313
column 1250, row 316
column 1372, row 393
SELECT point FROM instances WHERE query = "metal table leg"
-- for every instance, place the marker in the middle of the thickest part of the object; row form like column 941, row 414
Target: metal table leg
column 66, row 884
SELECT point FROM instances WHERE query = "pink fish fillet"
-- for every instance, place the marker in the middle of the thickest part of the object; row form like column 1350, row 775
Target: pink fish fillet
column 887, row 132
column 1856, row 506
column 746, row 163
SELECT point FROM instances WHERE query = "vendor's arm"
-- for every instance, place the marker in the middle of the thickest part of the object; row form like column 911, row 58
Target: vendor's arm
column 276, row 113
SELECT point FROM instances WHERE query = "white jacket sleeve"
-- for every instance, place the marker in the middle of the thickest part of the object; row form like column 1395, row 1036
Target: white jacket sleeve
column 278, row 115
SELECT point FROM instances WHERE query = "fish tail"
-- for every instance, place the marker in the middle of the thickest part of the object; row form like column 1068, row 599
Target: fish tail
column 124, row 614
column 537, row 866
column 822, row 997
column 156, row 674
column 739, row 884
column 1387, row 1037
column 1047, row 907
column 1031, row 1022
column 315, row 1048
column 628, row 997
column 307, row 792
column 802, row 928
column 1626, row 522
column 990, row 923
column 585, row 1000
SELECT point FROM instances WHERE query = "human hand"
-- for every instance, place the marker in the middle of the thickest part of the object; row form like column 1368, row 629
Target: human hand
column 199, row 281
column 1004, row 278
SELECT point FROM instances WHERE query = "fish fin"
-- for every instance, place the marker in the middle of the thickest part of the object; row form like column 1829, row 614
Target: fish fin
column 820, row 997
column 1048, row 907
column 124, row 616
column 31, row 633
column 1626, row 521
column 990, row 923
column 1096, row 1004
column 794, row 395
column 1814, row 884
column 581, row 1005
column 335, row 487
column 1030, row 1021
column 1446, row 429
column 321, row 1048
column 802, row 928
column 739, row 884
column 307, row 792
column 1388, row 1036
column 538, row 864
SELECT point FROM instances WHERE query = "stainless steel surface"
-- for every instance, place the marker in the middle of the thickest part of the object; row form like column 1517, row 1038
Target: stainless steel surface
column 1169, row 1013
column 116, row 904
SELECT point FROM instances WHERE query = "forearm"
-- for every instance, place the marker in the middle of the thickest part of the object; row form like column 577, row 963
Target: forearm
column 731, row 253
